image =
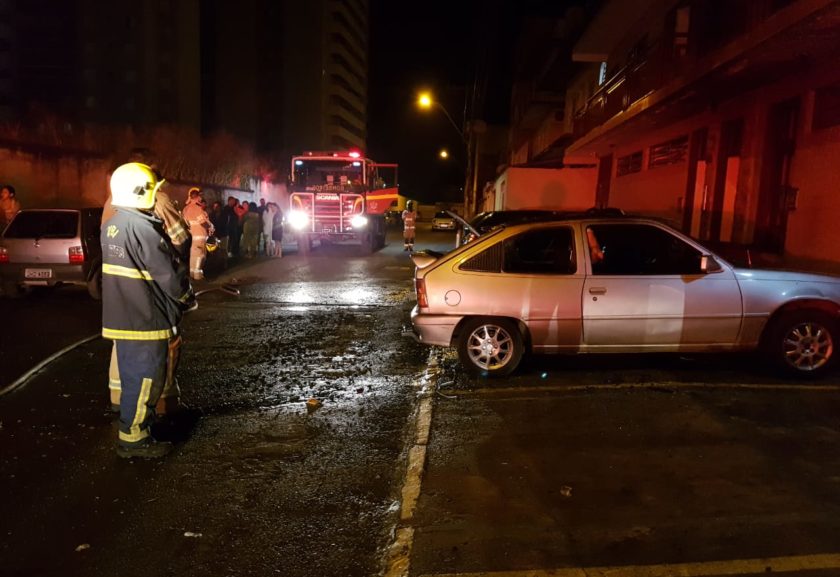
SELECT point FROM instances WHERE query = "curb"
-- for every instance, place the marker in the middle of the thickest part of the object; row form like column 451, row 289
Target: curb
column 399, row 552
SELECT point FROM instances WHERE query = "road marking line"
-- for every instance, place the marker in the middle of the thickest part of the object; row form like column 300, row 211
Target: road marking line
column 622, row 386
column 772, row 565
column 399, row 553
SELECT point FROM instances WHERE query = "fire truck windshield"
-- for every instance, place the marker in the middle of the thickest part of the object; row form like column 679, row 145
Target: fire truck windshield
column 340, row 174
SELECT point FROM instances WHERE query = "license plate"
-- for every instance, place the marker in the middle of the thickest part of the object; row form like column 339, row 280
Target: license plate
column 37, row 273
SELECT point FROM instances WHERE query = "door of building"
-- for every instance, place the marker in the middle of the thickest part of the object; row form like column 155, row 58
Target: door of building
column 776, row 196
column 722, row 216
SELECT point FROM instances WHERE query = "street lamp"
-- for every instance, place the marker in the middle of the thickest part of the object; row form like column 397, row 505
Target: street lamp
column 444, row 153
column 425, row 102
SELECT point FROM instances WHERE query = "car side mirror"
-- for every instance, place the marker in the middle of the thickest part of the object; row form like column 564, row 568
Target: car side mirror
column 708, row 264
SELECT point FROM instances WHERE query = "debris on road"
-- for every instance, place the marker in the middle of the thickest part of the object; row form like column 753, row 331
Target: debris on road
column 82, row 547
column 191, row 534
column 313, row 405
column 566, row 491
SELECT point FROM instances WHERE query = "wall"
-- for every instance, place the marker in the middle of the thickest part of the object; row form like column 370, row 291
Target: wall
column 549, row 188
column 50, row 179
column 812, row 231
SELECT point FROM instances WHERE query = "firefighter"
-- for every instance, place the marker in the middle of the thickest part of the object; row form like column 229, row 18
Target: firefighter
column 145, row 290
column 409, row 217
column 200, row 229
column 179, row 234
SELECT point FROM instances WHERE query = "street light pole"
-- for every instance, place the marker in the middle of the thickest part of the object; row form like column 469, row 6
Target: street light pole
column 426, row 101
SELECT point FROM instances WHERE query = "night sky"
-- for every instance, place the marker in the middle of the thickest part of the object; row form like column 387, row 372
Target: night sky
column 445, row 47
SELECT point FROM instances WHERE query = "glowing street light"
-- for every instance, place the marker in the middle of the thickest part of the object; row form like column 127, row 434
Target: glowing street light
column 444, row 153
column 425, row 101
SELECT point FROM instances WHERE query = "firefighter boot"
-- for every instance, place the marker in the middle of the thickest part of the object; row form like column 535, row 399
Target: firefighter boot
column 150, row 449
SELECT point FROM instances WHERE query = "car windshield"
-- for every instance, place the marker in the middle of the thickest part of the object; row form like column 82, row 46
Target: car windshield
column 442, row 214
column 43, row 224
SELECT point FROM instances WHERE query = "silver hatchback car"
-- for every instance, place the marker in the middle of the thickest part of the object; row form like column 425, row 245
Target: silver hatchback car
column 615, row 285
column 51, row 247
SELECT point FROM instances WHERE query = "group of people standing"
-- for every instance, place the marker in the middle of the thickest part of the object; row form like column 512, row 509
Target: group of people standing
column 242, row 228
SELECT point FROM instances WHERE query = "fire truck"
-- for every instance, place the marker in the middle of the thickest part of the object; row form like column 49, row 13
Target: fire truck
column 340, row 196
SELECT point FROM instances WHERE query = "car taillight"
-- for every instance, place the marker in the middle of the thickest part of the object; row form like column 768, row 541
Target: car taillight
column 420, row 287
column 4, row 255
column 76, row 254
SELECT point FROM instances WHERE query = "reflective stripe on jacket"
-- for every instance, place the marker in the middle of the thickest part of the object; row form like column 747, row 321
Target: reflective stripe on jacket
column 144, row 286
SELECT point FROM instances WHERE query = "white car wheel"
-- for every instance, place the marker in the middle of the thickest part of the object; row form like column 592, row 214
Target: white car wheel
column 490, row 347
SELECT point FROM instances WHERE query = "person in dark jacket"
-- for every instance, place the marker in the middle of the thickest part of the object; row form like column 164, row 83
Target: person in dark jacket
column 231, row 220
column 145, row 290
column 179, row 233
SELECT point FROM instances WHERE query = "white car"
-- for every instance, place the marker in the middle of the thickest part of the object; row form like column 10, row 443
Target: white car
column 443, row 221
column 599, row 283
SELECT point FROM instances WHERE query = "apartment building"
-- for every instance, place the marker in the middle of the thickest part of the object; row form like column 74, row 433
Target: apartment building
column 722, row 116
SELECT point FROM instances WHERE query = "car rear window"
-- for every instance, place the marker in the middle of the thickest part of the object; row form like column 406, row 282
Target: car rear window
column 442, row 215
column 43, row 224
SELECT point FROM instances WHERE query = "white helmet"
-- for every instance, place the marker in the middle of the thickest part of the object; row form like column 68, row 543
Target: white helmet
column 134, row 185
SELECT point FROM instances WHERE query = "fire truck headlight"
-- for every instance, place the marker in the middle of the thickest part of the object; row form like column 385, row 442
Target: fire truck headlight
column 359, row 221
column 298, row 219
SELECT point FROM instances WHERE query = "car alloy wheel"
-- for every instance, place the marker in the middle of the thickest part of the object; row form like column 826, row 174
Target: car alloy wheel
column 808, row 346
column 490, row 346
column 805, row 342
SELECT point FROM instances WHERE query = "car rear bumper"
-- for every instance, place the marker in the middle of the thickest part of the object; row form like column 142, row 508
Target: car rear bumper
column 59, row 273
column 433, row 329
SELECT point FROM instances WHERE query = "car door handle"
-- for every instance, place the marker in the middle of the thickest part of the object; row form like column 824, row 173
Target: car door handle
column 598, row 290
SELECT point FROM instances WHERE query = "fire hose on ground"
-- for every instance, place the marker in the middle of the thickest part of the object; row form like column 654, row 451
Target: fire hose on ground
column 20, row 381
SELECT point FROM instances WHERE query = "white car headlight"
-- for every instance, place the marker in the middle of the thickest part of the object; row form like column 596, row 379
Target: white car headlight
column 359, row 221
column 298, row 219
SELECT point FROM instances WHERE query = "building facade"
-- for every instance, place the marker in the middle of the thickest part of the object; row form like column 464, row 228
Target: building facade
column 722, row 117
column 281, row 76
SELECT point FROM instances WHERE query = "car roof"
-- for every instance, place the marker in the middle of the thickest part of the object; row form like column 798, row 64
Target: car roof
column 488, row 220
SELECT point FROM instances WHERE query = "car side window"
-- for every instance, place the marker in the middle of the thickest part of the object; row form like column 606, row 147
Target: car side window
column 639, row 249
column 541, row 251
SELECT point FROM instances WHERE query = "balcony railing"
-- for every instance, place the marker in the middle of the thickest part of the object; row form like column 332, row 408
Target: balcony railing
column 628, row 85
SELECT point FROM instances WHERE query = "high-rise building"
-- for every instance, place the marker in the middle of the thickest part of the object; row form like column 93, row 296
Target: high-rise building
column 283, row 75
column 289, row 76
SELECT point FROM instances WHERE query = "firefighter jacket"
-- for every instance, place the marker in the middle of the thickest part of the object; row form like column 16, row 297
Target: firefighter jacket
column 145, row 287
column 175, row 225
column 196, row 217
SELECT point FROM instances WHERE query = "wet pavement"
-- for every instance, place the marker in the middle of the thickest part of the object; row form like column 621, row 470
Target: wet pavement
column 635, row 465
column 257, row 485
column 641, row 465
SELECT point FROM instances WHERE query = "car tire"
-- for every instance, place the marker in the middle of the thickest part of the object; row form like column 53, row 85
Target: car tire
column 490, row 347
column 94, row 285
column 802, row 343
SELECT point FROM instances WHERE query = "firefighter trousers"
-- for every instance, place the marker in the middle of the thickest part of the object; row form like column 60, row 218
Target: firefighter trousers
column 142, row 376
column 198, row 254
column 170, row 397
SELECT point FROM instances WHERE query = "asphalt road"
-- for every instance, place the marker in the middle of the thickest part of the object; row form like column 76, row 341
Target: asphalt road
column 627, row 466
column 257, row 485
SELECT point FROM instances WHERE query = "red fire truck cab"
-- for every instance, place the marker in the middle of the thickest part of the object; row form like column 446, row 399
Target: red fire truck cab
column 340, row 196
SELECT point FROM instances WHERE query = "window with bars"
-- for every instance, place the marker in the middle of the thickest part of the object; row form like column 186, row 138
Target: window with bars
column 670, row 152
column 629, row 164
